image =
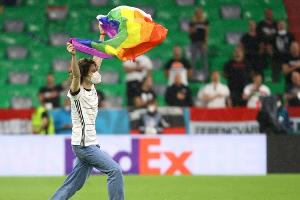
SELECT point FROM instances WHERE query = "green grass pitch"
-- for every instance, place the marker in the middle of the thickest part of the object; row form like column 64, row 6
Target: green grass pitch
column 271, row 187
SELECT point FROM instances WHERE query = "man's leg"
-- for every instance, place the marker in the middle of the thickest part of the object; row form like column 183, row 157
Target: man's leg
column 104, row 163
column 194, row 51
column 74, row 181
column 204, row 58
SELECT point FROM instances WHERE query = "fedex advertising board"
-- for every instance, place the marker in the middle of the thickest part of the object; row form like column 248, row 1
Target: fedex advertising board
column 142, row 155
column 185, row 155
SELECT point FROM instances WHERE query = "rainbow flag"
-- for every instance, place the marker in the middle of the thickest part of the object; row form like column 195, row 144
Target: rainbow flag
column 132, row 33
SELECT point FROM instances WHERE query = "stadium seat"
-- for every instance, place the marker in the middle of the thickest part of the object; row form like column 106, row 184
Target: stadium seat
column 3, row 77
column 61, row 65
column 57, row 12
column 110, row 77
column 233, row 38
column 159, row 77
column 157, row 63
column 58, row 2
column 33, row 3
column 58, row 39
column 231, row 12
column 98, row 2
column 21, row 102
column 114, row 94
column 19, row 77
column 4, row 102
column 161, row 100
column 160, row 89
column 16, row 52
column 16, row 26
column 276, row 88
column 185, row 2
column 195, row 88
column 60, row 77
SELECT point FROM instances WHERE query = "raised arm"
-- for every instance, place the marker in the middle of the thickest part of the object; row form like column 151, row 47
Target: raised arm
column 101, row 38
column 75, row 79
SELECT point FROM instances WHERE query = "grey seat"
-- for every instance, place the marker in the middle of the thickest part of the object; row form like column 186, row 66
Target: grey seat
column 185, row 2
column 233, row 38
column 21, row 102
column 110, row 77
column 19, row 77
column 57, row 12
column 148, row 9
column 157, row 63
column 94, row 26
column 184, row 25
column 60, row 65
column 115, row 101
column 16, row 52
column 98, row 2
column 231, row 12
column 160, row 90
column 58, row 39
column 16, row 26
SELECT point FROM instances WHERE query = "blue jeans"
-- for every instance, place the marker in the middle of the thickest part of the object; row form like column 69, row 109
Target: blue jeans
column 87, row 158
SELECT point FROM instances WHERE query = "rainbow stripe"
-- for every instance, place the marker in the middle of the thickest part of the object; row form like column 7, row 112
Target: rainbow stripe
column 132, row 32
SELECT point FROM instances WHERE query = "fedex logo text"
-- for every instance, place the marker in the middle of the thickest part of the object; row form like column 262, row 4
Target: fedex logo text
column 140, row 156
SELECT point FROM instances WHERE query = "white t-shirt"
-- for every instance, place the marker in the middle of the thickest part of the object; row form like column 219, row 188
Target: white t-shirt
column 212, row 89
column 84, row 109
column 254, row 100
column 141, row 60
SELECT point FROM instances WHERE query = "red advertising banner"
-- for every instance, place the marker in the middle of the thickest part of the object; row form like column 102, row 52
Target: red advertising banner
column 15, row 121
column 294, row 113
column 230, row 120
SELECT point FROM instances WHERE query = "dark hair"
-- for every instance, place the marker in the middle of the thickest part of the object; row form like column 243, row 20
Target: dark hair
column 256, row 73
column 84, row 66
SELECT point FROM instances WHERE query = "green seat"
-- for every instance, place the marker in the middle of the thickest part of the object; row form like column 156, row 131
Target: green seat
column 26, row 13
column 28, row 90
column 34, row 67
column 195, row 87
column 34, row 3
column 217, row 62
column 113, row 90
column 276, row 88
column 161, row 100
column 56, row 52
column 14, row 39
column 178, row 37
column 1, row 21
column 58, row 2
column 22, row 89
column 61, row 77
column 159, row 77
column 212, row 15
column 3, row 76
column 253, row 12
column 4, row 98
column 216, row 38
column 226, row 50
column 208, row 4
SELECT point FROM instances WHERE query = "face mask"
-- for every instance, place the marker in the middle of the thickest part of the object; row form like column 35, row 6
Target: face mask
column 96, row 78
column 278, row 104
column 282, row 32
column 151, row 109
